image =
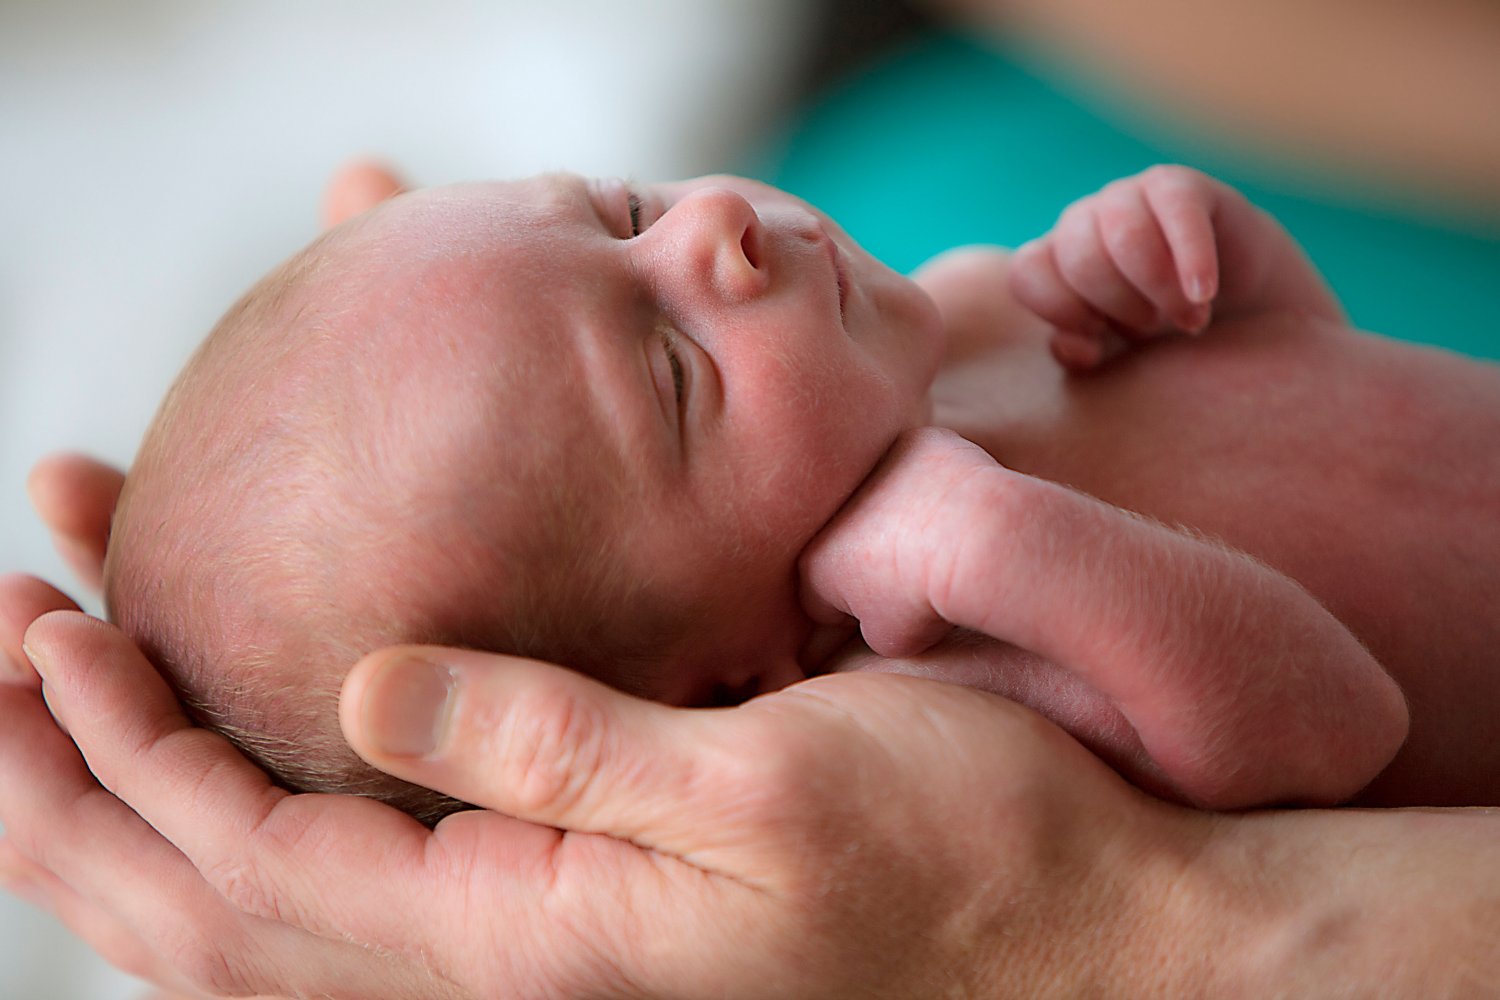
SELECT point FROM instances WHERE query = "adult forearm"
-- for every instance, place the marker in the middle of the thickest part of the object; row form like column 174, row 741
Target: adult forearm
column 1359, row 903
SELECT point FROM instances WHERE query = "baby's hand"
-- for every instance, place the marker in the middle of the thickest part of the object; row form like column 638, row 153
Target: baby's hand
column 880, row 557
column 1133, row 262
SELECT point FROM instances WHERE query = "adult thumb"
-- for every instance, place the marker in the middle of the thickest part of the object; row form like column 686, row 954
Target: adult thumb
column 542, row 743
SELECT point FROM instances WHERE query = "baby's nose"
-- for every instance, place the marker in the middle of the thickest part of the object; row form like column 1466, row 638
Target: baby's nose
column 717, row 235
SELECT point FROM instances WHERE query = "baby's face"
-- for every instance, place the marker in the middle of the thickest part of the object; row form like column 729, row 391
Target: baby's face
column 712, row 365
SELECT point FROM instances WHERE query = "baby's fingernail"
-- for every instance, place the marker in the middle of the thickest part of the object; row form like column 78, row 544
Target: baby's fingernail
column 1197, row 318
column 1200, row 290
column 407, row 707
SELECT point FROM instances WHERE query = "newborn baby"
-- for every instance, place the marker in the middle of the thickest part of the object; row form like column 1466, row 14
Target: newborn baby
column 601, row 424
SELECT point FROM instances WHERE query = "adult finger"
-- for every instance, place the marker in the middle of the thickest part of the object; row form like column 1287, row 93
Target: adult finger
column 542, row 743
column 118, row 871
column 113, row 939
column 355, row 187
column 530, row 906
column 24, row 599
column 75, row 496
column 188, row 888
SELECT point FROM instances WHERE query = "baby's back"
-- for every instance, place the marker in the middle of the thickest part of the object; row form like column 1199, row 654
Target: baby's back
column 1367, row 470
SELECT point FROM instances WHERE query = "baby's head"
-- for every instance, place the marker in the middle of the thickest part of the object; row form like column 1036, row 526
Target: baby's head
column 580, row 421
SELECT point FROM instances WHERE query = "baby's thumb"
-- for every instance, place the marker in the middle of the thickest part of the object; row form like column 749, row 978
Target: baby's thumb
column 534, row 741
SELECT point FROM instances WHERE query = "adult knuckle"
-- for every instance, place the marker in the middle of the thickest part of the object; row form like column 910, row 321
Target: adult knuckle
column 554, row 744
column 202, row 960
column 242, row 887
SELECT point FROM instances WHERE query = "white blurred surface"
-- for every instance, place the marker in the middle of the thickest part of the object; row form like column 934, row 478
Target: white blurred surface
column 157, row 157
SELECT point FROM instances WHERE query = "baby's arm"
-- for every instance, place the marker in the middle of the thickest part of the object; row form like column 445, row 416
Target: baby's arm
column 1243, row 689
column 1160, row 252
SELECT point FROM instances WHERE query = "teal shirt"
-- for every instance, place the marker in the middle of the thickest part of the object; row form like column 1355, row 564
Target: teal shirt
column 948, row 142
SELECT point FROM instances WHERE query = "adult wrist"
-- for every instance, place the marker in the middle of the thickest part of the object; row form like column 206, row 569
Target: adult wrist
column 1346, row 902
column 1140, row 909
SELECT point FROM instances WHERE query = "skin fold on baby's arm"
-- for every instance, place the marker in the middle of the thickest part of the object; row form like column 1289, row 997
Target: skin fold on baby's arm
column 1242, row 689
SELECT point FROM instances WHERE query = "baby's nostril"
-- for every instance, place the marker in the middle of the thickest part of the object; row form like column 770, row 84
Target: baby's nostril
column 750, row 245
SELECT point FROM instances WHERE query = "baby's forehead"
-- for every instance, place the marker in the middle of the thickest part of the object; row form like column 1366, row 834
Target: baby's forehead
column 477, row 207
column 466, row 297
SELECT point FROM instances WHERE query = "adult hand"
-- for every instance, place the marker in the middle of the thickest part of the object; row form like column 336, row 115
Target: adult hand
column 114, row 935
column 801, row 845
column 76, row 496
column 356, row 186
column 873, row 836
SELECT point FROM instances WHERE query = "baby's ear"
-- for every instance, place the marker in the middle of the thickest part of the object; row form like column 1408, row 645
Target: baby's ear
column 355, row 187
column 76, row 496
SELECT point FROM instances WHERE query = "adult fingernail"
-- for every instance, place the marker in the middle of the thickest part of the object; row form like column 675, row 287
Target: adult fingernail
column 38, row 661
column 407, row 707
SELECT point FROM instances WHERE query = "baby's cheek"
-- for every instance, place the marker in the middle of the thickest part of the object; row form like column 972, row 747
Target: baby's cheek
column 749, row 642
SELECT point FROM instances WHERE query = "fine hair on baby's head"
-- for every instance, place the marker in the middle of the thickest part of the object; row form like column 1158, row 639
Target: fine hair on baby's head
column 535, row 418
column 294, row 506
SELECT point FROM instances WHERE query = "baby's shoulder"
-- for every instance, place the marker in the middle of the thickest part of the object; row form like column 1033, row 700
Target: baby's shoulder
column 971, row 286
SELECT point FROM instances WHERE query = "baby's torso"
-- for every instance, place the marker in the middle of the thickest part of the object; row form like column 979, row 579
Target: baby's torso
column 1367, row 470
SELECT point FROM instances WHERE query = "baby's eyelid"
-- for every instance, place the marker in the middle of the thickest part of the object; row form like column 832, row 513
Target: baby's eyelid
column 674, row 361
column 643, row 206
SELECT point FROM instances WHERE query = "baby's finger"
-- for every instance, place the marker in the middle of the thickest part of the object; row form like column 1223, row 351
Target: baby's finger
column 1139, row 250
column 24, row 599
column 1183, row 202
column 1086, row 265
column 1037, row 284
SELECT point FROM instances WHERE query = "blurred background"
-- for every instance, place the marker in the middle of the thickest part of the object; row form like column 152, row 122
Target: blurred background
column 157, row 157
